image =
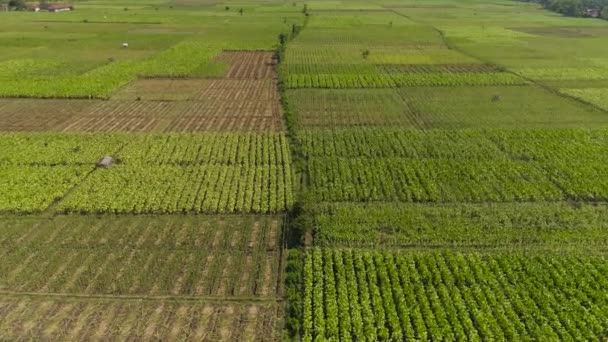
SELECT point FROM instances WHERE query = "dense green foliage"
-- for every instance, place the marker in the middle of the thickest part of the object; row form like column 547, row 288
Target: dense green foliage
column 57, row 149
column 576, row 8
column 456, row 166
column 533, row 225
column 382, row 296
column 165, row 173
column 27, row 189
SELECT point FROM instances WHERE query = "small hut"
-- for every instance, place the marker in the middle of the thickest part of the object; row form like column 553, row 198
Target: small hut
column 105, row 161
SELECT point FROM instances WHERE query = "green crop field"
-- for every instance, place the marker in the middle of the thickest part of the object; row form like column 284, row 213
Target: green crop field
column 325, row 170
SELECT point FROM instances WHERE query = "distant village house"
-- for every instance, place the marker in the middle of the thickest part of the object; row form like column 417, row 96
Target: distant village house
column 32, row 7
column 45, row 6
column 59, row 7
column 593, row 12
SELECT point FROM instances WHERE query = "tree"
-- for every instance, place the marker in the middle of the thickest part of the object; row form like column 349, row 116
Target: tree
column 365, row 53
column 17, row 4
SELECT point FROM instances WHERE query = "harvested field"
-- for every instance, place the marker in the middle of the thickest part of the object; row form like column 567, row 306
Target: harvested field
column 238, row 90
column 40, row 115
column 218, row 115
column 248, row 64
column 160, row 89
column 56, row 319
column 124, row 116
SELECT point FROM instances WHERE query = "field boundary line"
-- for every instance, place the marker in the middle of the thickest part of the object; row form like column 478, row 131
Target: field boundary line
column 185, row 299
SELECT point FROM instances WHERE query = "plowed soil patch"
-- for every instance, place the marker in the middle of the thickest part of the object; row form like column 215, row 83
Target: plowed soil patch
column 248, row 64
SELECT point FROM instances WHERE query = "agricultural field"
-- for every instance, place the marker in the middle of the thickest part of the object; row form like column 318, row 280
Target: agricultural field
column 452, row 157
column 181, row 238
column 363, row 295
column 140, row 277
column 344, row 170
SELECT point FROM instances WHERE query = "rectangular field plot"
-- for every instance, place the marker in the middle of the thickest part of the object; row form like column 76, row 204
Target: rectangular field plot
column 358, row 294
column 325, row 108
column 124, row 116
column 510, row 107
column 248, row 64
column 238, row 90
column 537, row 226
column 161, row 89
column 389, row 179
column 457, row 166
column 183, row 189
column 179, row 256
column 191, row 173
column 381, row 79
column 237, row 149
column 232, row 104
column 61, row 319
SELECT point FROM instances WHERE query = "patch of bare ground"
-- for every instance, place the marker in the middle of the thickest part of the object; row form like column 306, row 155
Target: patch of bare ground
column 161, row 89
column 124, row 116
column 40, row 115
column 249, row 64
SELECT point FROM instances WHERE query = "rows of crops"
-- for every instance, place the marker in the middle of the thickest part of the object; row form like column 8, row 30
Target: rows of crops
column 223, row 172
column 456, row 166
column 180, row 237
column 536, row 225
column 200, row 188
column 68, row 319
column 391, row 80
column 362, row 295
column 161, row 256
column 474, row 194
column 211, row 148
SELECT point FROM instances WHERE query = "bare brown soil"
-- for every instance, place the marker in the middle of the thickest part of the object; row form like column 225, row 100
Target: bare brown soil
column 160, row 89
column 248, row 64
column 39, row 115
column 123, row 116
column 58, row 319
